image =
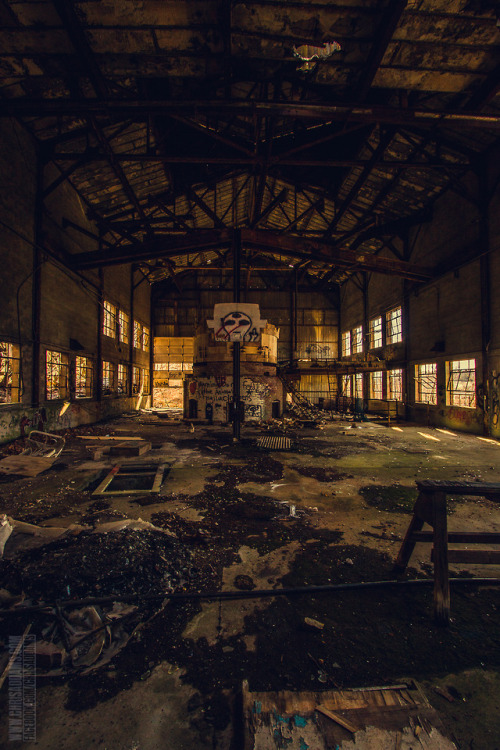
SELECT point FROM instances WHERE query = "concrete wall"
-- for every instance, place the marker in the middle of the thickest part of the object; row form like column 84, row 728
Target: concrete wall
column 70, row 304
column 442, row 319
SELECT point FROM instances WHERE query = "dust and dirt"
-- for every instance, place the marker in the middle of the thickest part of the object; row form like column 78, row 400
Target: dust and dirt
column 240, row 532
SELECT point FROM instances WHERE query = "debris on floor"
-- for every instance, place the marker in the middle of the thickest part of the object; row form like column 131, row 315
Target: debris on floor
column 372, row 718
column 121, row 559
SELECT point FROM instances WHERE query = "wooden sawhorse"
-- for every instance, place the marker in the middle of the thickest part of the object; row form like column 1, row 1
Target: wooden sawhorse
column 430, row 507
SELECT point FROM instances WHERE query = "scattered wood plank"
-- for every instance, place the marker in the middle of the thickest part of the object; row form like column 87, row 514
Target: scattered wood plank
column 444, row 693
column 130, row 448
column 380, row 709
column 109, row 437
column 338, row 719
column 12, row 659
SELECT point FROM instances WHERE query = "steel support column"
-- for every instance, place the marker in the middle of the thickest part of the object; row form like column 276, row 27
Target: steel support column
column 37, row 287
column 484, row 270
column 236, row 344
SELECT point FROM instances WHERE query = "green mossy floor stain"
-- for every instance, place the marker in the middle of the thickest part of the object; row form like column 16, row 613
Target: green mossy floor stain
column 392, row 498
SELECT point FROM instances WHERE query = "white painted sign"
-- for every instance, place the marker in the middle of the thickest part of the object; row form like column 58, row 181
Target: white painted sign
column 237, row 321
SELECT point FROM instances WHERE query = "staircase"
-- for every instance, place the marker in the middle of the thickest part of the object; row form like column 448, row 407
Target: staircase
column 301, row 406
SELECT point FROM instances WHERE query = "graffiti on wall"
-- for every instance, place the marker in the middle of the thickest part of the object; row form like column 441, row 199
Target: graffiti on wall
column 254, row 393
column 18, row 421
column 235, row 321
column 317, row 351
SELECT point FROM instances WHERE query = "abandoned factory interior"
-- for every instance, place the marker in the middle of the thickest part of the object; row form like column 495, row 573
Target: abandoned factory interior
column 250, row 374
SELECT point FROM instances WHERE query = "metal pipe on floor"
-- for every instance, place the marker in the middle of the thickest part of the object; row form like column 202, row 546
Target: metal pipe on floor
column 256, row 594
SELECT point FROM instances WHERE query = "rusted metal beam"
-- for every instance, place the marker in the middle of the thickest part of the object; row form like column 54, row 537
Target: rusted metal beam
column 256, row 160
column 193, row 195
column 85, row 54
column 30, row 107
column 316, row 206
column 178, row 220
column 210, row 133
column 71, row 23
column 374, row 161
column 282, row 196
column 293, row 247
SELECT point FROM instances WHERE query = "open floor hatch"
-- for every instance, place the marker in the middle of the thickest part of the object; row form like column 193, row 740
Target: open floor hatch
column 133, row 479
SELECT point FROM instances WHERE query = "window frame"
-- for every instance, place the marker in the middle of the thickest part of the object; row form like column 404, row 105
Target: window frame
column 137, row 335
column 358, row 379
column 394, row 325
column 451, row 394
column 418, row 376
column 10, row 370
column 87, row 366
column 346, row 384
column 346, row 344
column 109, row 319
column 136, row 386
column 376, row 376
column 63, row 393
column 112, row 378
column 390, row 389
column 146, row 381
column 122, row 391
column 357, row 339
column 375, row 332
column 123, row 327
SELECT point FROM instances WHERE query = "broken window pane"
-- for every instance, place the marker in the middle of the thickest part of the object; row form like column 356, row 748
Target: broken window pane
column 346, row 385
column 9, row 373
column 394, row 326
column 395, row 385
column 108, row 378
column 136, row 380
column 109, row 320
column 56, row 375
column 84, row 377
column 122, row 380
column 461, row 389
column 426, row 383
column 145, row 339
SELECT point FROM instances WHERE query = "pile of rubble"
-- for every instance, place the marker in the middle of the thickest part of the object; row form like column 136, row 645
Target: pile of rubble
column 87, row 592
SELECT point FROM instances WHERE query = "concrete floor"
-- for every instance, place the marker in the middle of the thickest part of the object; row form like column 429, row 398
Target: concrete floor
column 354, row 518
